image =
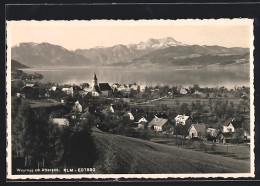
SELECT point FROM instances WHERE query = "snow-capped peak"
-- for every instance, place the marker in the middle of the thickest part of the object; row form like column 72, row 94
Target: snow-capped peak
column 159, row 43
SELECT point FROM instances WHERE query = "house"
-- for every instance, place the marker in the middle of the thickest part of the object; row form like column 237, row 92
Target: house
column 142, row 125
column 68, row 91
column 134, row 87
column 116, row 107
column 225, row 137
column 54, row 91
column 229, row 128
column 61, row 121
column 182, row 120
column 77, row 107
column 77, row 91
column 142, row 88
column 183, row 91
column 84, row 85
column 137, row 115
column 197, row 130
column 115, row 85
column 160, row 124
column 30, row 91
column 198, row 93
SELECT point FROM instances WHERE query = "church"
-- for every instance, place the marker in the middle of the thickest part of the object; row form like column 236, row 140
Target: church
column 100, row 89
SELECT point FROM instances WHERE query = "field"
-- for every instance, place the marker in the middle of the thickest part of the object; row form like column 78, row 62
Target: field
column 180, row 100
column 240, row 152
column 120, row 154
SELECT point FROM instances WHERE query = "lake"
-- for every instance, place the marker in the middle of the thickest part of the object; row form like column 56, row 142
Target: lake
column 228, row 77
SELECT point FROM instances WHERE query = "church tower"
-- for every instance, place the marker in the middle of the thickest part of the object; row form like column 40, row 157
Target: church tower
column 94, row 81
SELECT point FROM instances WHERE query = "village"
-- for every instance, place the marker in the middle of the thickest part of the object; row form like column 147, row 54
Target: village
column 121, row 99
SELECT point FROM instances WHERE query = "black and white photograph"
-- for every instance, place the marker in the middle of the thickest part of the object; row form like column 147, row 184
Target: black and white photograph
column 130, row 99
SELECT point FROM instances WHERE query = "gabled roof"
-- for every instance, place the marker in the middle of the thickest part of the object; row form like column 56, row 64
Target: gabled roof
column 199, row 127
column 104, row 86
column 138, row 114
column 159, row 122
column 182, row 117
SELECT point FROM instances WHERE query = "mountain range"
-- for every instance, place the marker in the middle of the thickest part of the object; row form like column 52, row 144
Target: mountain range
column 166, row 52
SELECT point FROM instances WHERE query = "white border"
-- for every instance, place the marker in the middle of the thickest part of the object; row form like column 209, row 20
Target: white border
column 248, row 22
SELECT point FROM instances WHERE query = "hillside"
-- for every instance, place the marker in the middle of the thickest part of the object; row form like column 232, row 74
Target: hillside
column 120, row 154
column 45, row 54
column 192, row 56
column 17, row 65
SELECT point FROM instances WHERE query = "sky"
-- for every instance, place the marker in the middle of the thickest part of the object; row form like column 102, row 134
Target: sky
column 89, row 34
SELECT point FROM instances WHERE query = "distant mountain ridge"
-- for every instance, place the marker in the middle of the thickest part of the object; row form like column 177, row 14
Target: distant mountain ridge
column 117, row 53
column 45, row 54
column 161, row 52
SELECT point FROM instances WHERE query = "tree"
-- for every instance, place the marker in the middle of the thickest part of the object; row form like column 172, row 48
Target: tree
column 81, row 150
column 184, row 109
column 238, row 136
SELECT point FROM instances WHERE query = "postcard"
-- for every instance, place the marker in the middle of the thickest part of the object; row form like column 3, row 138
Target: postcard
column 130, row 99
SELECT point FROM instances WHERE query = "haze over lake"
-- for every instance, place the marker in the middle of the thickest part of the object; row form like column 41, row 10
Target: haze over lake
column 228, row 77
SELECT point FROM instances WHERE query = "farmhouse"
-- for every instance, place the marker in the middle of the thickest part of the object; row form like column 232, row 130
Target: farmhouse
column 182, row 120
column 197, row 130
column 160, row 124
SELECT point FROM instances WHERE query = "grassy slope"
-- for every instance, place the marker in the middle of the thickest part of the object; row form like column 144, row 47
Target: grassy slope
column 120, row 154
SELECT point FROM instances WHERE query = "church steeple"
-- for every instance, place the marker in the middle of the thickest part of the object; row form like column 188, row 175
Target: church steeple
column 94, row 81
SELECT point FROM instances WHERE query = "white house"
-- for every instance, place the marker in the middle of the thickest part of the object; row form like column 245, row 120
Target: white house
column 183, row 91
column 68, row 91
column 228, row 128
column 77, row 107
column 134, row 87
column 197, row 130
column 182, row 120
column 142, row 88
column 61, row 121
